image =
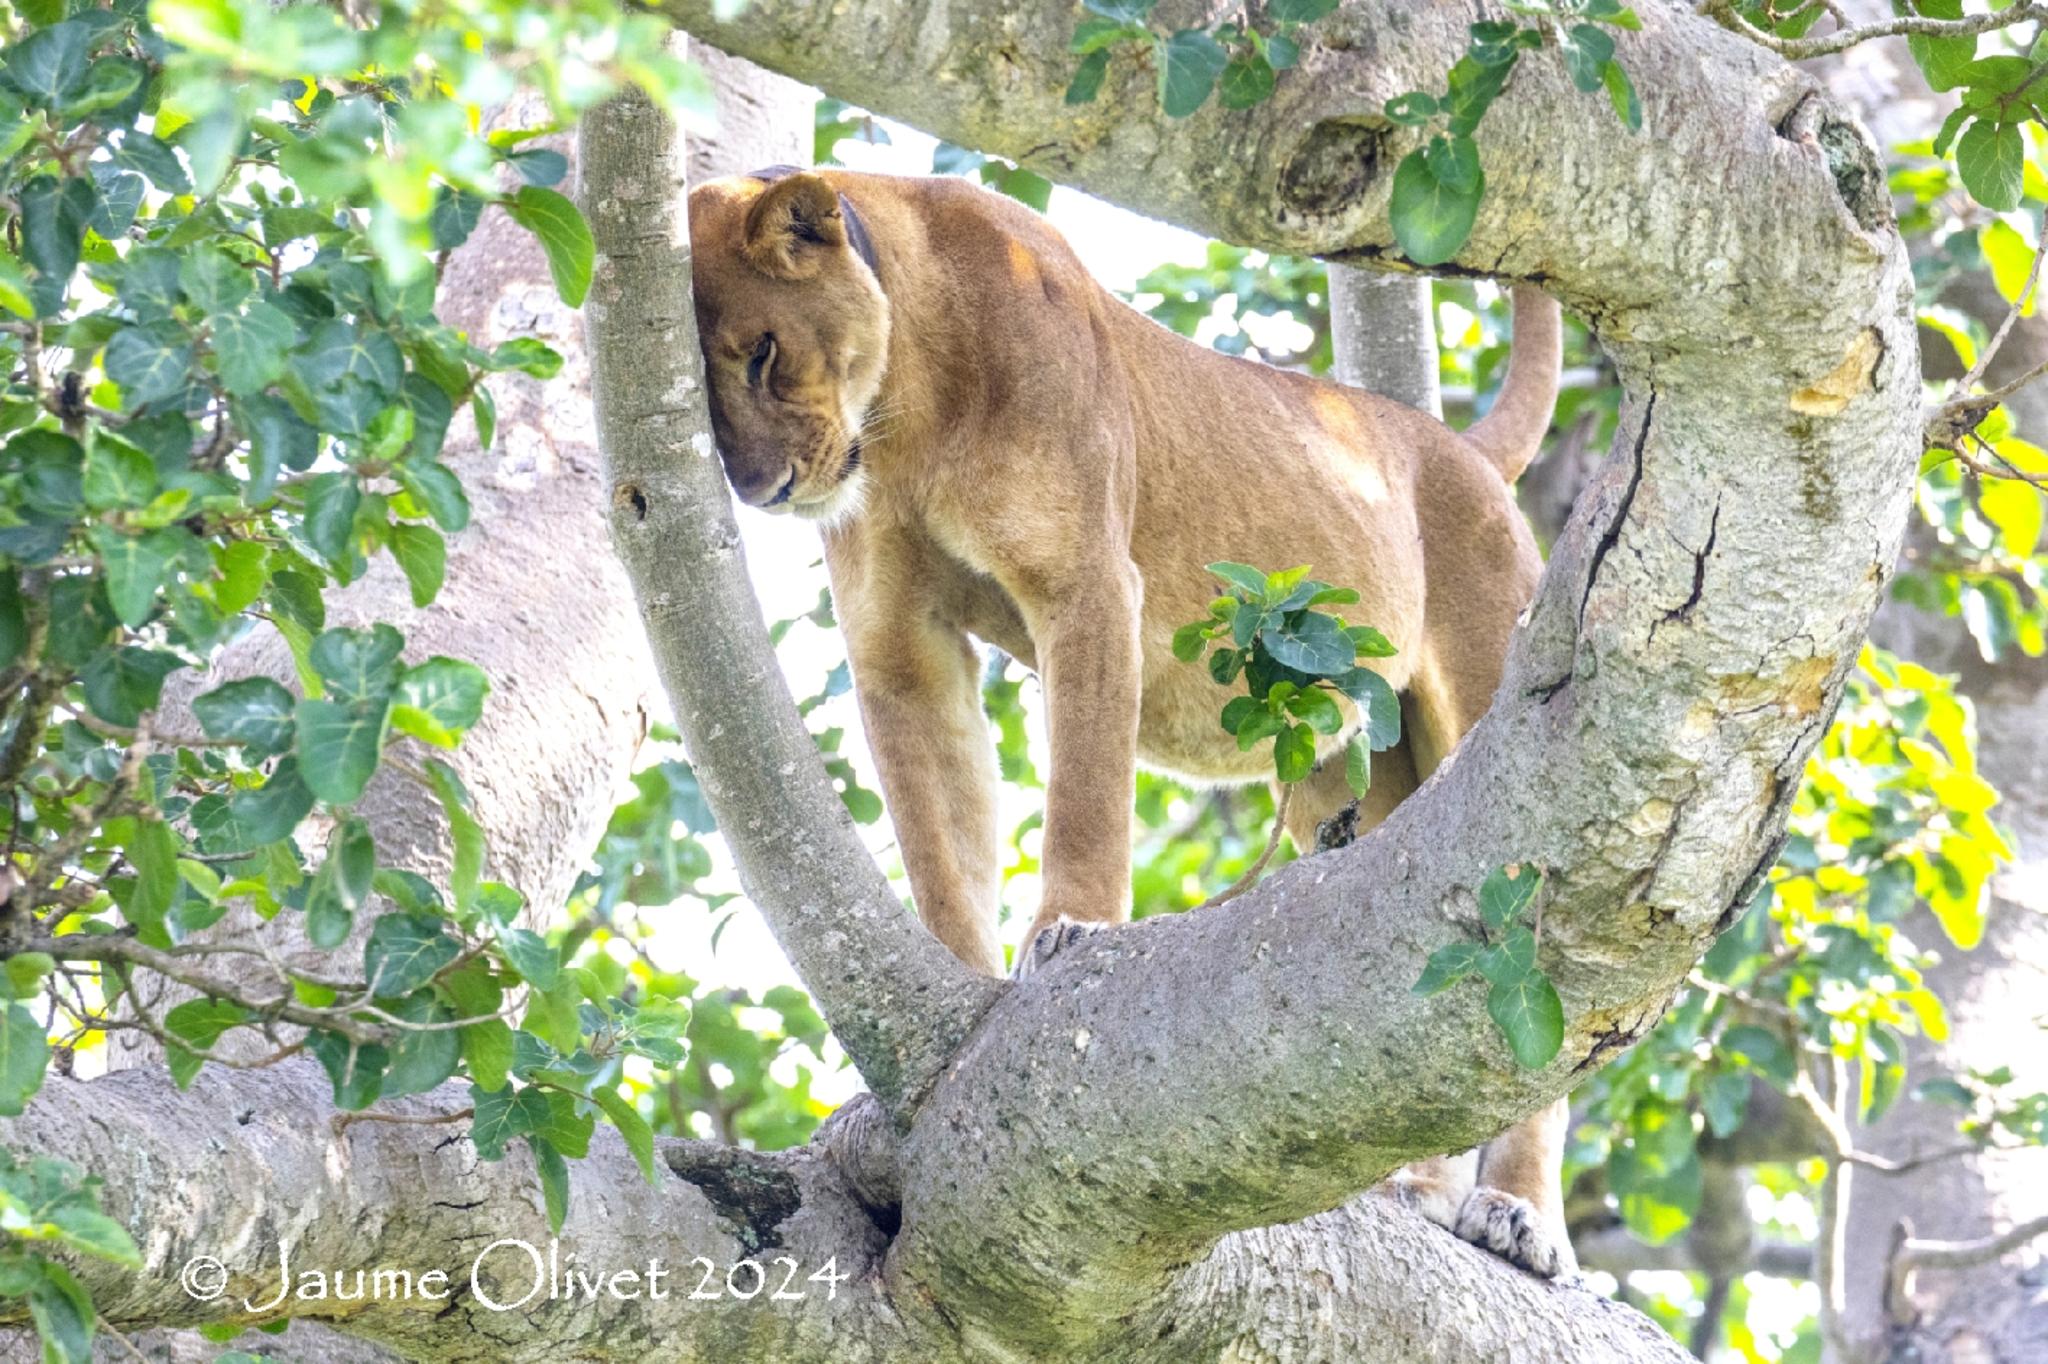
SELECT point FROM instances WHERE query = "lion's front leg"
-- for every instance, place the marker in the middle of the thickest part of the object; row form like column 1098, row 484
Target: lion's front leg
column 1087, row 643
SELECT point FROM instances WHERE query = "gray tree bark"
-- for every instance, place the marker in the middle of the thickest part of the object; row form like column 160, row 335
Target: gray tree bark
column 1092, row 1163
column 1384, row 336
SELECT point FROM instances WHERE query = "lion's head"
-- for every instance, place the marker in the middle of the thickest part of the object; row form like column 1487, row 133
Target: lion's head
column 795, row 332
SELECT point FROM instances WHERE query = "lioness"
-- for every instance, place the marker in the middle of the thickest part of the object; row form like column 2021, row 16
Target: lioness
column 996, row 447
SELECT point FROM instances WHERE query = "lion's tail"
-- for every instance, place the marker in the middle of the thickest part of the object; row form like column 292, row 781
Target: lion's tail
column 1512, row 430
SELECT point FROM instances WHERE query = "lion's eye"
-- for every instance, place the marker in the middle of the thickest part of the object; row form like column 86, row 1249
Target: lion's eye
column 762, row 361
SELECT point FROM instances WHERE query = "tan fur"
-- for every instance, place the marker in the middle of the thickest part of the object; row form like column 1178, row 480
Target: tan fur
column 998, row 448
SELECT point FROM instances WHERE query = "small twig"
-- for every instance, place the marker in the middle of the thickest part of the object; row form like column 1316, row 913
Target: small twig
column 126, row 1344
column 1725, row 14
column 343, row 1121
column 1909, row 1254
column 1251, row 873
column 2012, row 315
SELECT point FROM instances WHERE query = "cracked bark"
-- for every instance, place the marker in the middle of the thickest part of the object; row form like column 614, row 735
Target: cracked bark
column 1098, row 1168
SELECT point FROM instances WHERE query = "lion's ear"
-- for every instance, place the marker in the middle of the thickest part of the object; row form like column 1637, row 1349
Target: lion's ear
column 793, row 227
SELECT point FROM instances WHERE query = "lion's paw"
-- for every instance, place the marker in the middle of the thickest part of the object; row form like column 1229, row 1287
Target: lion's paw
column 1055, row 938
column 1511, row 1228
column 1435, row 1199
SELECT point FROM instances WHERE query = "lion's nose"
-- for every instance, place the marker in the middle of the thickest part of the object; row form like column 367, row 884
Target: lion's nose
column 771, row 490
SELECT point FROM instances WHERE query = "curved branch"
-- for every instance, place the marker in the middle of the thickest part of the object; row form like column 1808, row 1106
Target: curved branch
column 897, row 1001
column 1725, row 13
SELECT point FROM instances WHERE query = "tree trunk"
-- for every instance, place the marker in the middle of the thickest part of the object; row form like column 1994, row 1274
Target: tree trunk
column 1383, row 332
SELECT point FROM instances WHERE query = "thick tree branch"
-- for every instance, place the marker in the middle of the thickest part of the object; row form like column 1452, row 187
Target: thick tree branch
column 896, row 999
column 241, row 1165
column 1214, row 1072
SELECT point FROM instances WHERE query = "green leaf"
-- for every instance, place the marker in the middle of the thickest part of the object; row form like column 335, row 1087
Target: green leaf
column 404, row 952
column 1246, row 81
column 503, row 1114
column 134, row 566
column 1314, row 706
column 117, row 475
column 358, row 665
column 1992, row 159
column 25, row 971
column 244, row 567
column 1189, row 63
column 554, row 1182
column 1413, row 109
column 1241, row 576
column 531, row 957
column 331, row 503
column 338, row 746
column 1087, row 81
column 250, row 819
column 1254, row 723
column 153, row 157
column 1531, row 1017
column 151, row 847
column 423, row 557
column 1621, row 93
column 1225, row 664
column 198, row 1023
column 255, row 711
column 1764, row 1051
column 464, row 833
column 1294, row 753
column 1587, row 50
column 1358, row 765
column 91, row 1231
column 62, row 1312
column 639, row 1136
column 1433, row 218
column 1506, row 893
column 563, row 235
column 356, row 1069
column 1189, row 640
column 1310, row 642
column 339, row 352
column 435, row 487
column 487, row 1051
column 24, row 1055
column 48, row 64
column 15, row 295
column 422, row 1057
column 1944, row 61
column 565, row 1129
column 150, row 362
column 249, row 347
column 122, row 683
column 439, row 700
column 485, row 410
column 1299, row 11
column 1446, row 967
column 1513, row 957
column 1377, row 704
column 213, row 280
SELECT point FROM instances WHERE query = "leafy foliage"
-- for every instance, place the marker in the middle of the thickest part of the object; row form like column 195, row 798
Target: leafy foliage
column 1521, row 1000
column 1237, row 61
column 231, row 394
column 1438, row 186
column 1892, row 817
column 1296, row 660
